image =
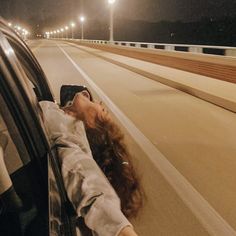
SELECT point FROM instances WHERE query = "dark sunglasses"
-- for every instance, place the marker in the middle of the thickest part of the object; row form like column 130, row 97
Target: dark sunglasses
column 68, row 92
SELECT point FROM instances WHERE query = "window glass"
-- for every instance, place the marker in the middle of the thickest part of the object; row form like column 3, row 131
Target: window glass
column 11, row 157
column 33, row 88
column 34, row 74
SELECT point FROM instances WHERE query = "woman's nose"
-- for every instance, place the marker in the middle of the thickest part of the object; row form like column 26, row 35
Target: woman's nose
column 86, row 94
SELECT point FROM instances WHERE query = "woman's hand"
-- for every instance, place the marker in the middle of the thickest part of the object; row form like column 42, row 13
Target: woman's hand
column 127, row 231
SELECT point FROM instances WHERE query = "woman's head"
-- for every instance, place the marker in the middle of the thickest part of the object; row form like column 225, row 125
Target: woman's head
column 82, row 108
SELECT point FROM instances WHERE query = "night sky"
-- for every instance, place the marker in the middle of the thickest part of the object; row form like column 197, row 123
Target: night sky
column 44, row 12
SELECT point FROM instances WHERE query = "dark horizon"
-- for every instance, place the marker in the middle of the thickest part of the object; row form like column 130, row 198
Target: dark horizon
column 166, row 21
column 38, row 11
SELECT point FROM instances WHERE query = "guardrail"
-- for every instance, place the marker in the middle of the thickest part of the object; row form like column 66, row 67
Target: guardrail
column 203, row 49
column 218, row 67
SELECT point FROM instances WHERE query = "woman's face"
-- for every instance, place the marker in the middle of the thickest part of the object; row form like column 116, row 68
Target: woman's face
column 84, row 109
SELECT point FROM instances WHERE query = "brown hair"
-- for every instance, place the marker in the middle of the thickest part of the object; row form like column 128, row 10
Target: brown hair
column 111, row 154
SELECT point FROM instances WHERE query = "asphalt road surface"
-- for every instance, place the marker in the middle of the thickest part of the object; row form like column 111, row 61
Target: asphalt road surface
column 183, row 147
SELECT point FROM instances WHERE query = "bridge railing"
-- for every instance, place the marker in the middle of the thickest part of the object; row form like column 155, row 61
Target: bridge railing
column 204, row 49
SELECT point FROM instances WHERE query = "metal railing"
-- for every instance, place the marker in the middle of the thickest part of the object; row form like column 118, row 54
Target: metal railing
column 203, row 49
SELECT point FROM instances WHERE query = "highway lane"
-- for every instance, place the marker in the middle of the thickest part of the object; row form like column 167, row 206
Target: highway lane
column 195, row 136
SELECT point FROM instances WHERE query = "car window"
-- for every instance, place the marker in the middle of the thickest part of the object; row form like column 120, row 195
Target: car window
column 16, row 154
column 11, row 156
column 35, row 75
column 28, row 68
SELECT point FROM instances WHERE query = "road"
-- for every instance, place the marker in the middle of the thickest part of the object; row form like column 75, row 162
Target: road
column 183, row 147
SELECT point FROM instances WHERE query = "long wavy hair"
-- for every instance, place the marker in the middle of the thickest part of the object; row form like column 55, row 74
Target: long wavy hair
column 111, row 154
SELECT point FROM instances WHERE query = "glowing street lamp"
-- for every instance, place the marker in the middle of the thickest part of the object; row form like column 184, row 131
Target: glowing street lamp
column 111, row 2
column 72, row 24
column 82, row 19
column 10, row 24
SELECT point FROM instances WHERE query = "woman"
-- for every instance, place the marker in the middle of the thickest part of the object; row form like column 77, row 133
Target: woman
column 91, row 195
column 107, row 145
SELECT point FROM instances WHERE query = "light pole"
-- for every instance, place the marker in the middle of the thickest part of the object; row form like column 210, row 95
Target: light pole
column 47, row 35
column 62, row 31
column 111, row 2
column 66, row 29
column 72, row 24
column 82, row 19
column 58, row 31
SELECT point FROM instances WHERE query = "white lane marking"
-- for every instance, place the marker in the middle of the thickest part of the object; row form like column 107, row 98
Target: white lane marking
column 205, row 213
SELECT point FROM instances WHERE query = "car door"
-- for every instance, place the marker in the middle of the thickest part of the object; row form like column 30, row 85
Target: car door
column 33, row 169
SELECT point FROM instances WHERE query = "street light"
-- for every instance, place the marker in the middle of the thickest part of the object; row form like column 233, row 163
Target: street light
column 72, row 24
column 82, row 19
column 111, row 2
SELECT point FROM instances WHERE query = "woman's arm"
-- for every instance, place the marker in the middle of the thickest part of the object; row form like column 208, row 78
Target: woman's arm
column 87, row 188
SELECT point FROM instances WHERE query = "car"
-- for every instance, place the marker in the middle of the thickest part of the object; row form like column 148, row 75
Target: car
column 33, row 200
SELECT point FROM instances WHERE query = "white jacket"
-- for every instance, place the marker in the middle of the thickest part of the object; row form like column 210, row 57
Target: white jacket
column 87, row 188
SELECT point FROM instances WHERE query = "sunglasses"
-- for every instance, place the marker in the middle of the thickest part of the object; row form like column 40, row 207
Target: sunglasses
column 68, row 92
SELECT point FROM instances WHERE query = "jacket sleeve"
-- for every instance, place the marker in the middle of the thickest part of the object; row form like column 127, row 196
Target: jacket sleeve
column 88, row 189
